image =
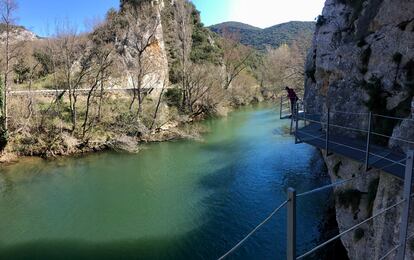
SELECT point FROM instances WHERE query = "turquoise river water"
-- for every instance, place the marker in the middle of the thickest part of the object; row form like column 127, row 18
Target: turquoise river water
column 173, row 200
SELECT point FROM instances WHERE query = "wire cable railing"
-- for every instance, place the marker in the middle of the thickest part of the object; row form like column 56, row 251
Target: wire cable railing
column 291, row 208
column 239, row 244
column 349, row 230
column 339, row 183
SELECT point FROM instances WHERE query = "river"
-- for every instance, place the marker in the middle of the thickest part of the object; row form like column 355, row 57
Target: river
column 174, row 200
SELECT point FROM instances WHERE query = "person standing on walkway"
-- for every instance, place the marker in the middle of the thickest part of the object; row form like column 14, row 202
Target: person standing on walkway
column 293, row 99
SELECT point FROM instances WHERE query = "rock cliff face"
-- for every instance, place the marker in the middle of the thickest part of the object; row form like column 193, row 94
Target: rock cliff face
column 362, row 60
column 145, row 27
column 17, row 34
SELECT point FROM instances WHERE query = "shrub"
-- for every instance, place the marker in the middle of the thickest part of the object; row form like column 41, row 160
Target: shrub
column 173, row 97
column 21, row 71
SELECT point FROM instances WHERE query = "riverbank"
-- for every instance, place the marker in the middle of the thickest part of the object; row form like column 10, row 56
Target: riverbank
column 65, row 144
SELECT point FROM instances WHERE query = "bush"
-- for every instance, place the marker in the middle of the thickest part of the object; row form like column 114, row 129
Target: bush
column 21, row 71
column 173, row 97
column 46, row 62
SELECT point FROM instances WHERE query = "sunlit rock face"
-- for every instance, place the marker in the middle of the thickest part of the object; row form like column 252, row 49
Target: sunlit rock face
column 155, row 61
column 17, row 34
column 362, row 60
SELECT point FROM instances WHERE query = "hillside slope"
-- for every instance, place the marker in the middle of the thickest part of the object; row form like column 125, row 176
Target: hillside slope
column 273, row 36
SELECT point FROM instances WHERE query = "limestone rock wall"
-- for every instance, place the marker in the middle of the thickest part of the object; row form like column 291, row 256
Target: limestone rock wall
column 362, row 60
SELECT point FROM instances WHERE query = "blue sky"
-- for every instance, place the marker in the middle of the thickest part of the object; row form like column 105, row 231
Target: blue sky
column 41, row 16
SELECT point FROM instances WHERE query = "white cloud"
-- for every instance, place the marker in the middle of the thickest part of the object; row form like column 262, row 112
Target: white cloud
column 265, row 13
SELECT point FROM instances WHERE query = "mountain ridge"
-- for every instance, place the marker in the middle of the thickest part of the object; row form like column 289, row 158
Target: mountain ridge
column 273, row 36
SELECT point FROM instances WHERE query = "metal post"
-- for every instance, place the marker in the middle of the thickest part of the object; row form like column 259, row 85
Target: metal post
column 327, row 132
column 297, row 123
column 406, row 210
column 304, row 112
column 291, row 118
column 281, row 106
column 368, row 142
column 291, row 225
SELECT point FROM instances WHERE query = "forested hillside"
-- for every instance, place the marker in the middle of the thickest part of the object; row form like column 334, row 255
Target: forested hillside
column 274, row 36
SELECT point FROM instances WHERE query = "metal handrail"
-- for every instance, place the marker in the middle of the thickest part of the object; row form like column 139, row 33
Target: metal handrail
column 356, row 149
column 328, row 186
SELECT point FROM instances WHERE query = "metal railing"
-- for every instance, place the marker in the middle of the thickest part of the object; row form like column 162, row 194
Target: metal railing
column 329, row 126
column 405, row 202
column 288, row 110
column 299, row 114
column 292, row 197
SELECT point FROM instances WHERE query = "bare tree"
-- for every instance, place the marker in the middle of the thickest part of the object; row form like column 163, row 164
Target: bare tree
column 75, row 64
column 102, row 61
column 285, row 65
column 7, row 9
column 157, row 107
column 235, row 57
column 184, row 29
column 202, row 82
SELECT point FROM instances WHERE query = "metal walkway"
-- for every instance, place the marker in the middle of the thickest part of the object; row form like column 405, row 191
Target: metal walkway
column 356, row 149
column 323, row 134
column 317, row 132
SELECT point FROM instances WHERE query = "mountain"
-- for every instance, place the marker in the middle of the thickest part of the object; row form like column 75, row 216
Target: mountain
column 273, row 36
column 234, row 27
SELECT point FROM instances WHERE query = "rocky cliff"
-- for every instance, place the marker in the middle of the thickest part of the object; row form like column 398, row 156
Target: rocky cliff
column 17, row 34
column 362, row 60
